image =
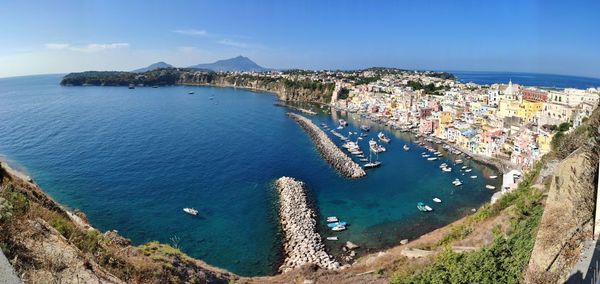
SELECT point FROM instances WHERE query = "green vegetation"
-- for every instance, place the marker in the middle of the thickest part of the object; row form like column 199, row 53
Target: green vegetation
column 504, row 260
column 343, row 94
column 164, row 76
column 428, row 89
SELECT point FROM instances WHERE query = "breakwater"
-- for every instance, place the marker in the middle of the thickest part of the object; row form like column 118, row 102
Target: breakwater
column 328, row 149
column 303, row 245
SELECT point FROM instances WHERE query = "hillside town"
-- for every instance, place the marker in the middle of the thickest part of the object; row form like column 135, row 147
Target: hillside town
column 507, row 121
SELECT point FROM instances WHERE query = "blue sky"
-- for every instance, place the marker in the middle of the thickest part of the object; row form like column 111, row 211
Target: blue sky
column 560, row 37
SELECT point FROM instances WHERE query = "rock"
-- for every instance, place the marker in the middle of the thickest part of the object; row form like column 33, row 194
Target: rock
column 350, row 245
column 404, row 241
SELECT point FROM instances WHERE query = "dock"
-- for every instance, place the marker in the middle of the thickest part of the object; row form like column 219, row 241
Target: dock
column 302, row 243
column 330, row 152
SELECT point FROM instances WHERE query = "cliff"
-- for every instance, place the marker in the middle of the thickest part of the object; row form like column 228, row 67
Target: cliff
column 46, row 243
column 285, row 89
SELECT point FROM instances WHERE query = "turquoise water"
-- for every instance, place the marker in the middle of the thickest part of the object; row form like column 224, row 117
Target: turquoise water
column 132, row 159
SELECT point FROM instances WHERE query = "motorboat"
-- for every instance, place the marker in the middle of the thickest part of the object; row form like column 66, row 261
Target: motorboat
column 490, row 187
column 190, row 92
column 447, row 169
column 365, row 128
column 468, row 170
column 332, row 238
column 371, row 165
column 332, row 219
column 459, row 161
column 429, row 209
column 375, row 147
column 383, row 138
column 443, row 165
column 493, row 177
column 473, row 176
column 338, row 228
column 190, row 211
column 406, row 148
column 457, row 182
column 432, row 159
column 437, row 200
column 335, row 224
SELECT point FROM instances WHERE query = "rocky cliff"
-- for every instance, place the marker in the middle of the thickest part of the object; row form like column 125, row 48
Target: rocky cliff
column 285, row 89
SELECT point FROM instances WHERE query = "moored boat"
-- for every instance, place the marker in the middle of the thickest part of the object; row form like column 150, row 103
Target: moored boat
column 332, row 238
column 437, row 200
column 406, row 148
column 338, row 228
column 490, row 187
column 332, row 219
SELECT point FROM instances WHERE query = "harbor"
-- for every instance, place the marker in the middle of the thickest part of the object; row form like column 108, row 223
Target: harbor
column 302, row 243
column 330, row 152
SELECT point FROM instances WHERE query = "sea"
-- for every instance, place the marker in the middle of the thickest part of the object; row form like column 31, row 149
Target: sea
column 550, row 81
column 132, row 159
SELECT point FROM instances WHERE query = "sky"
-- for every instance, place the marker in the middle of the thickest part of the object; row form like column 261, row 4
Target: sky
column 557, row 37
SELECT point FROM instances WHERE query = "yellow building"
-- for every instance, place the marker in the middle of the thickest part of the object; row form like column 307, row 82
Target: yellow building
column 544, row 142
column 508, row 108
column 445, row 117
column 529, row 110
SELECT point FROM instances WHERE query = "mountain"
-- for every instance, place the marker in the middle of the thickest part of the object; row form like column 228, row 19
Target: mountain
column 239, row 63
column 156, row 65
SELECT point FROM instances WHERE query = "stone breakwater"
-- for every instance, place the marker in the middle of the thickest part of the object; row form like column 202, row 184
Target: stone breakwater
column 328, row 149
column 303, row 245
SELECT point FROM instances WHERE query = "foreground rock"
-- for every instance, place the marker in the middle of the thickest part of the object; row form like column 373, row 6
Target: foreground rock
column 328, row 149
column 302, row 244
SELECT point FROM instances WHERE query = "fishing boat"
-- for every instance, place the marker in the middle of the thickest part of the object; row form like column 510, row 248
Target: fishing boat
column 335, row 224
column 383, row 138
column 190, row 211
column 406, row 148
column 437, row 200
column 490, row 187
column 332, row 238
column 332, row 219
column 338, row 228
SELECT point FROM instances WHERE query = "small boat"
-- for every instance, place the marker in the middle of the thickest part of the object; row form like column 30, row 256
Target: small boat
column 363, row 135
column 190, row 211
column 459, row 161
column 335, row 224
column 343, row 122
column 372, row 165
column 493, row 177
column 364, row 160
column 437, row 200
column 332, row 238
column 421, row 207
column 211, row 98
column 468, row 170
column 131, row 86
column 473, row 176
column 429, row 209
column 457, row 182
column 432, row 159
column 332, row 219
column 338, row 228
column 447, row 169
column 190, row 92
column 383, row 138
column 406, row 148
column 425, row 156
column 464, row 167
column 443, row 165
column 365, row 128
column 490, row 187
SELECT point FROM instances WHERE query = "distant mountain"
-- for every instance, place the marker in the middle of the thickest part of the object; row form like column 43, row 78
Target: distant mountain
column 154, row 66
column 239, row 63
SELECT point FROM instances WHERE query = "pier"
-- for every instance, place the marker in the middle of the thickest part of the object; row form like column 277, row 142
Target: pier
column 302, row 244
column 332, row 153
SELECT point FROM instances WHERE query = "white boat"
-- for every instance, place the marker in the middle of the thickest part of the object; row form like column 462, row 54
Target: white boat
column 190, row 211
column 343, row 122
column 428, row 208
column 340, row 127
column 364, row 160
column 406, row 148
column 443, row 165
column 473, row 176
column 468, row 170
column 338, row 228
column 432, row 159
column 383, row 138
column 490, row 187
column 447, row 169
column 459, row 161
column 332, row 238
column 376, row 148
column 457, row 182
column 371, row 165
column 437, row 200
column 332, row 219
column 425, row 155
column 464, row 167
column 493, row 177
